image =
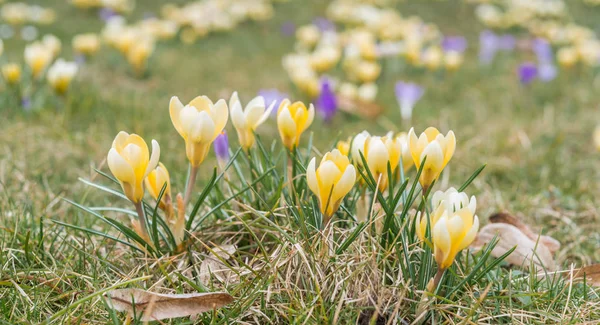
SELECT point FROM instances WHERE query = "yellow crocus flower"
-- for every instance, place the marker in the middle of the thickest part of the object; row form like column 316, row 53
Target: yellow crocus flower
column 247, row 120
column 86, row 44
column 449, row 201
column 11, row 72
column 53, row 44
column 199, row 123
column 378, row 152
column 331, row 181
column 138, row 54
column 292, row 120
column 432, row 57
column 344, row 147
column 453, row 60
column 37, row 57
column 407, row 160
column 155, row 181
column 452, row 233
column 60, row 75
column 438, row 149
column 130, row 162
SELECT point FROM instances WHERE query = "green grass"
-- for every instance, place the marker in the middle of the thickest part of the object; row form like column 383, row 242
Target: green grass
column 536, row 142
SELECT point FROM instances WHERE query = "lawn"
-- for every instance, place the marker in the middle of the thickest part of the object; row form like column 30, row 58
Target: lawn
column 535, row 141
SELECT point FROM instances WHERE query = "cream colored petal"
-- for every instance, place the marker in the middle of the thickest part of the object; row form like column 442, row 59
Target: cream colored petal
column 254, row 112
column 473, row 204
column 327, row 175
column 435, row 156
column 431, row 133
column 153, row 158
column 311, row 177
column 311, row 117
column 286, row 124
column 119, row 167
column 344, row 184
column 413, row 147
column 471, row 234
column 450, row 147
column 120, row 140
column 175, row 107
column 266, row 114
column 237, row 116
column 441, row 241
column 378, row 156
column 219, row 115
column 201, row 103
column 234, row 99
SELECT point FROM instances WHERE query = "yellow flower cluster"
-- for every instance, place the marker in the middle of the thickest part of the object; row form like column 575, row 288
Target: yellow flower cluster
column 133, row 42
column 198, row 18
column 576, row 43
column 370, row 32
column 20, row 13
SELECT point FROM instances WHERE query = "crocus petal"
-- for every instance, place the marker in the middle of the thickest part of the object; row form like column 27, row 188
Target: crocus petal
column 311, row 177
column 219, row 115
column 119, row 167
column 442, row 242
column 344, row 184
column 470, row 236
column 153, row 158
column 175, row 107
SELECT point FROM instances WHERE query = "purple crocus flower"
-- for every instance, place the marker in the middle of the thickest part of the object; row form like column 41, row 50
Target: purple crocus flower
column 454, row 44
column 324, row 24
column 527, row 71
column 542, row 50
column 288, row 28
column 488, row 46
column 221, row 145
column 408, row 94
column 507, row 42
column 106, row 14
column 326, row 103
column 272, row 96
column 547, row 71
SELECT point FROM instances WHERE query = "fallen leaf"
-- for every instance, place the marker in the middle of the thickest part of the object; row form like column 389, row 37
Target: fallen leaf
column 155, row 306
column 213, row 265
column 527, row 250
column 591, row 273
column 552, row 244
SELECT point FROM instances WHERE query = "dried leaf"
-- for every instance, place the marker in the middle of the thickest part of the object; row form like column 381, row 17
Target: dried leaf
column 552, row 244
column 154, row 306
column 527, row 250
column 591, row 273
column 213, row 265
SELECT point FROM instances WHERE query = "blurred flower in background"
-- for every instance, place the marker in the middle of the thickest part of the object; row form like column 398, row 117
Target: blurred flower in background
column 407, row 95
column 326, row 103
column 272, row 97
column 527, row 72
column 221, row 147
column 60, row 75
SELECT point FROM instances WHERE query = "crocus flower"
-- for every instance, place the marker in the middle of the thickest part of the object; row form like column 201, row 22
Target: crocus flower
column 326, row 103
column 221, row 146
column 130, row 162
column 248, row 119
column 507, row 42
column 527, row 72
column 60, row 75
column 378, row 153
column 450, row 201
column 37, row 57
column 454, row 44
column 199, row 123
column 488, row 46
column 11, row 72
column 547, row 71
column 292, row 120
column 408, row 94
column 542, row 50
column 155, row 181
column 331, row 181
column 437, row 148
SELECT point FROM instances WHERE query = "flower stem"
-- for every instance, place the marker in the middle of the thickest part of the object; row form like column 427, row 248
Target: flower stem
column 142, row 218
column 190, row 185
column 437, row 279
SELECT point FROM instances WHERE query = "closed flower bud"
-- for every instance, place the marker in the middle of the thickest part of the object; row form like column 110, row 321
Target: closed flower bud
column 60, row 75
column 378, row 153
column 292, row 120
column 130, row 162
column 344, row 147
column 199, row 123
column 247, row 120
column 155, row 181
column 11, row 72
column 437, row 148
column 331, row 181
